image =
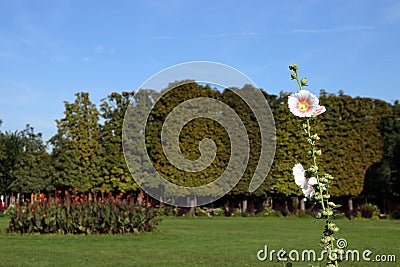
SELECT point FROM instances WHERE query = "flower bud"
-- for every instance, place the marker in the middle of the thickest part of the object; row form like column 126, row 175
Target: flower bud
column 323, row 180
column 318, row 215
column 303, row 81
column 317, row 197
column 318, row 152
column 293, row 75
column 325, row 240
column 313, row 169
column 293, row 67
column 327, row 212
column 331, row 204
column 332, row 226
column 315, row 137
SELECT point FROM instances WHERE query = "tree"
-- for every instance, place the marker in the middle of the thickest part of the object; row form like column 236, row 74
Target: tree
column 114, row 171
column 382, row 180
column 32, row 172
column 77, row 149
column 11, row 145
column 351, row 140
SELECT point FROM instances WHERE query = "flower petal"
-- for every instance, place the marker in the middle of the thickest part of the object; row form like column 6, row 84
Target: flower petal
column 312, row 181
column 319, row 110
column 298, row 172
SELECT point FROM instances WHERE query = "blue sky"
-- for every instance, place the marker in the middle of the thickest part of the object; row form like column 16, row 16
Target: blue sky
column 50, row 50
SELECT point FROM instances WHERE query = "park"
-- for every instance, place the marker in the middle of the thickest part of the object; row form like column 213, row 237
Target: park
column 121, row 224
column 183, row 133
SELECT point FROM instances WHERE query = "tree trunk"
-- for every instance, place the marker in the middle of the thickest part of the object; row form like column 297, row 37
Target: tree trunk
column 140, row 198
column 193, row 204
column 302, row 204
column 350, row 204
column 244, row 205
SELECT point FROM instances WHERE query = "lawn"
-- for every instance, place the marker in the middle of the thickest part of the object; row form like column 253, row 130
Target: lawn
column 198, row 242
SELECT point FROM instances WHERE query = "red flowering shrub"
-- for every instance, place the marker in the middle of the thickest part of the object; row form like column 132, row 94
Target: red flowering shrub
column 76, row 214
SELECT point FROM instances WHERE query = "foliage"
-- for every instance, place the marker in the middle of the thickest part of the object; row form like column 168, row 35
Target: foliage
column 77, row 148
column 268, row 211
column 78, row 214
column 383, row 178
column 360, row 140
column 218, row 212
column 115, row 175
column 351, row 140
column 395, row 215
column 202, row 212
column 9, row 210
column 24, row 162
column 368, row 211
column 33, row 169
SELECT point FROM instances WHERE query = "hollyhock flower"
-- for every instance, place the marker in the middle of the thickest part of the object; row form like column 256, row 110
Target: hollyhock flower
column 319, row 110
column 305, row 184
column 298, row 172
column 303, row 103
column 309, row 190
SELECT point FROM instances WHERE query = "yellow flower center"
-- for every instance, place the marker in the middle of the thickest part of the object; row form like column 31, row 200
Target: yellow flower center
column 303, row 106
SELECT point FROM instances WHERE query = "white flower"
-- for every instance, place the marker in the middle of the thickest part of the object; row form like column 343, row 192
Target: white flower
column 298, row 172
column 319, row 110
column 300, row 179
column 308, row 191
column 303, row 103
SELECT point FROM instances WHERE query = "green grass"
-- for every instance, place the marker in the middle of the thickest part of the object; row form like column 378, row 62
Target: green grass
column 197, row 242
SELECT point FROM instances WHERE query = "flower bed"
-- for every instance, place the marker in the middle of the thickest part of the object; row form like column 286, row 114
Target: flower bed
column 77, row 214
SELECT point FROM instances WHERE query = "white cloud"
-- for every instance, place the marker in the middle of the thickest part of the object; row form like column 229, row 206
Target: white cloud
column 334, row 30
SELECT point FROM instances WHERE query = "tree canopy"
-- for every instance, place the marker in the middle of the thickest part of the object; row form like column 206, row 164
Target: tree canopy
column 360, row 142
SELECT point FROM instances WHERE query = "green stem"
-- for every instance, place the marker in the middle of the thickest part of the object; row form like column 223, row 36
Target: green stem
column 298, row 81
column 315, row 162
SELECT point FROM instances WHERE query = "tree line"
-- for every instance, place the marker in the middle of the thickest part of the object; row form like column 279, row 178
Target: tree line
column 360, row 142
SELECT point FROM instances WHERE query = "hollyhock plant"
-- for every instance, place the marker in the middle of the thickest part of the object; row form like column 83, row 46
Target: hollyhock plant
column 312, row 182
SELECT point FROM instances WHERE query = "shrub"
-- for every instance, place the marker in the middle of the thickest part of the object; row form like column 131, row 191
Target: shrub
column 269, row 212
column 9, row 210
column 78, row 215
column 395, row 215
column 218, row 212
column 237, row 213
column 202, row 213
column 368, row 211
column 3, row 208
